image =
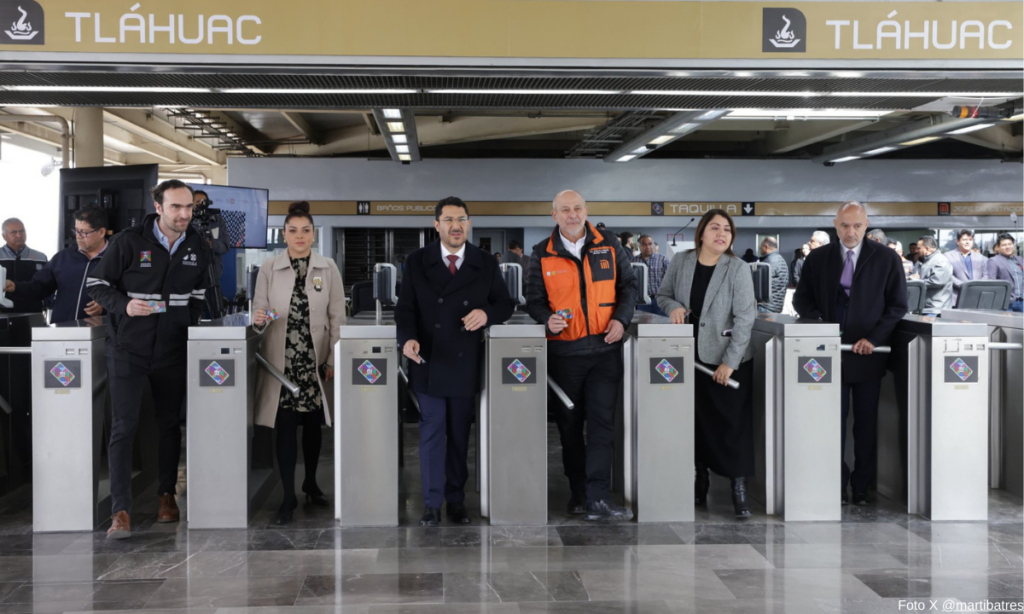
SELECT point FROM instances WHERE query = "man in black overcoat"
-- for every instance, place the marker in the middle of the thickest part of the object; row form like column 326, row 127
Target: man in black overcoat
column 451, row 291
column 861, row 286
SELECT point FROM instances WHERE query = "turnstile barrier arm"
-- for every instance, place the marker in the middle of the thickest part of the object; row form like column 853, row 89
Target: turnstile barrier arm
column 412, row 395
column 1006, row 346
column 15, row 350
column 882, row 349
column 271, row 369
column 564, row 398
column 732, row 383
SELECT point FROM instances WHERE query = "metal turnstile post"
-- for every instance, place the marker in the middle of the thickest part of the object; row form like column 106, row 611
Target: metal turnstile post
column 226, row 482
column 366, row 425
column 513, row 425
column 941, row 404
column 658, row 420
column 796, row 417
column 69, row 379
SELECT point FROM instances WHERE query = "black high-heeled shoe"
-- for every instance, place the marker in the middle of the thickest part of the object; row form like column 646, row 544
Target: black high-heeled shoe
column 739, row 498
column 315, row 496
column 701, row 484
column 284, row 513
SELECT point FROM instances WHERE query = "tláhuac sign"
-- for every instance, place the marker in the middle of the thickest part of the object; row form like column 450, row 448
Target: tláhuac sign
column 667, row 208
column 569, row 29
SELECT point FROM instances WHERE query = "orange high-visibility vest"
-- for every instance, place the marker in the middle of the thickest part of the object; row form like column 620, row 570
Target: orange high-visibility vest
column 586, row 299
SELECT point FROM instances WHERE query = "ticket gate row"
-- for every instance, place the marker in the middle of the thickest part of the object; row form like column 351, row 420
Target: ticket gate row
column 15, row 399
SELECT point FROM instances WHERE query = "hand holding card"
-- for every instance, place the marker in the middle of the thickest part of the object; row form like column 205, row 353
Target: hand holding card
column 157, row 306
column 272, row 314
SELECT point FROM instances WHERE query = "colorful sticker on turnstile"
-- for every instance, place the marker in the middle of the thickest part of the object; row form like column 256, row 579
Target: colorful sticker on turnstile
column 814, row 370
column 370, row 372
column 666, row 370
column 217, row 373
column 519, row 370
column 961, row 369
column 61, row 374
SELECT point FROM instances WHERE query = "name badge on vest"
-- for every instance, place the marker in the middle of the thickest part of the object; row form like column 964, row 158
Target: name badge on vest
column 318, row 283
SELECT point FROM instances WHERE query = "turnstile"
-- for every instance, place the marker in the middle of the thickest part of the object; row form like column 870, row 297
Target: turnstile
column 513, row 425
column 16, row 401
column 69, row 377
column 657, row 421
column 1006, row 395
column 797, row 417
column 230, row 468
column 933, row 420
column 366, row 439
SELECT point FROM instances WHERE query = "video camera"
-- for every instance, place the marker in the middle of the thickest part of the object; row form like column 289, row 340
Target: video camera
column 203, row 212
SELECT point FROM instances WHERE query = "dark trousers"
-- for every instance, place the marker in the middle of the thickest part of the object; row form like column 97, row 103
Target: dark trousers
column 126, row 383
column 287, row 425
column 865, row 433
column 445, row 423
column 592, row 384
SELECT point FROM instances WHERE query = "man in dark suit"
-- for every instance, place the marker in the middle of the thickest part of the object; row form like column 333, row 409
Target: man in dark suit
column 859, row 285
column 1009, row 267
column 967, row 265
column 451, row 290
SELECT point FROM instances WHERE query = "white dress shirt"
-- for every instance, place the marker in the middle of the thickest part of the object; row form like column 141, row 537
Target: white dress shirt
column 461, row 254
column 574, row 248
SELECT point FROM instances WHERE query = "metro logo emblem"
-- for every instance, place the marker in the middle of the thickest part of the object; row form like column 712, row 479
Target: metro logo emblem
column 63, row 374
column 961, row 369
column 370, row 372
column 145, row 257
column 815, row 370
column 519, row 371
column 217, row 373
column 666, row 370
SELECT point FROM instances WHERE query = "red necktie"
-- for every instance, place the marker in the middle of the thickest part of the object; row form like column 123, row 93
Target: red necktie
column 451, row 264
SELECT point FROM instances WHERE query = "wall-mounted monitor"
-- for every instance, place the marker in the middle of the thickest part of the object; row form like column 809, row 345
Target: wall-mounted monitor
column 244, row 211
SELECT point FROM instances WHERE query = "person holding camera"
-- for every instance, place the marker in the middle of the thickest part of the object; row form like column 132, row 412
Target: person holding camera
column 210, row 224
column 300, row 302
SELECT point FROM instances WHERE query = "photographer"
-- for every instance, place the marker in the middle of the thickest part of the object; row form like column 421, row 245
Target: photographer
column 210, row 225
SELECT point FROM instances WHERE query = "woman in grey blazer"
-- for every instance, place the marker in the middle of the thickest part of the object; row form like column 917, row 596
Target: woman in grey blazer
column 714, row 288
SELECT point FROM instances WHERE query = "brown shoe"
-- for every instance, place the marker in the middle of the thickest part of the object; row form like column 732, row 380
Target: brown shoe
column 168, row 509
column 120, row 528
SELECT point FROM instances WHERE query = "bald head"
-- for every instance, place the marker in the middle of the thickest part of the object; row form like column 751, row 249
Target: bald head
column 852, row 204
column 569, row 210
column 851, row 223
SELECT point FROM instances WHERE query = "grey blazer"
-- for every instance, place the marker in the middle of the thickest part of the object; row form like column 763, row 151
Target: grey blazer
column 728, row 304
column 979, row 266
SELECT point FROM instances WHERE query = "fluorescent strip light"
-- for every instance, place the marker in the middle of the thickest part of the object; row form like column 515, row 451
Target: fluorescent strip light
column 743, row 73
column 393, row 113
column 822, row 94
column 314, row 92
column 405, row 157
column 530, row 92
column 661, row 140
column 396, row 126
column 806, row 113
column 399, row 138
column 641, row 150
column 402, row 149
column 848, row 74
column 684, row 128
column 104, row 88
column 880, row 150
column 626, row 158
column 972, row 128
column 846, row 159
column 922, row 140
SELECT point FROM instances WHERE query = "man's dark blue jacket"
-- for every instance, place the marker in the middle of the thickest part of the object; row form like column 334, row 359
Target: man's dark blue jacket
column 65, row 274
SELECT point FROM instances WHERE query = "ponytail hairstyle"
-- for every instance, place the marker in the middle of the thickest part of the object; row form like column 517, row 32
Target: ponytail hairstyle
column 298, row 209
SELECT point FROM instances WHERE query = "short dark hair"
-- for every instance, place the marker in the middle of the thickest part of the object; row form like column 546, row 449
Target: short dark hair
column 929, row 242
column 1005, row 236
column 513, row 244
column 449, row 201
column 203, row 192
column 93, row 215
column 298, row 209
column 170, row 184
column 642, row 237
column 964, row 231
column 625, row 237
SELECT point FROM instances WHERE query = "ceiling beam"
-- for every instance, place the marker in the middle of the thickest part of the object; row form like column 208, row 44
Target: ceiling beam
column 152, row 128
column 998, row 137
column 804, row 133
column 301, row 124
column 119, row 134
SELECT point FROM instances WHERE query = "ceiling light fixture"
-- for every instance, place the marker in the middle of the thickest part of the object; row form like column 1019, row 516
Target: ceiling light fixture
column 402, row 149
column 393, row 113
column 661, row 140
column 404, row 158
column 926, row 130
column 528, row 92
column 880, row 150
column 399, row 138
column 396, row 126
column 668, row 130
column 315, row 91
column 920, row 141
column 846, row 159
column 625, row 158
column 398, row 129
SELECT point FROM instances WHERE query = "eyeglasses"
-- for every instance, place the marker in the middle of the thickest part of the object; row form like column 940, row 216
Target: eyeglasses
column 85, row 233
column 450, row 220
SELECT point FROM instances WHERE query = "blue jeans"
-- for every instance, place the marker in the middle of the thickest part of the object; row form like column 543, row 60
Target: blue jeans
column 1017, row 305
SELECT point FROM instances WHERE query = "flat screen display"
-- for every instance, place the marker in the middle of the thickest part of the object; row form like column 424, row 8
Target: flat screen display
column 244, row 211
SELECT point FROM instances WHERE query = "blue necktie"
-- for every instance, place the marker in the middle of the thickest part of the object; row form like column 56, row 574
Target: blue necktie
column 970, row 267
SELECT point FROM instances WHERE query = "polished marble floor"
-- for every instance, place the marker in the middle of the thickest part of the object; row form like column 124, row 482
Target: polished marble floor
column 876, row 560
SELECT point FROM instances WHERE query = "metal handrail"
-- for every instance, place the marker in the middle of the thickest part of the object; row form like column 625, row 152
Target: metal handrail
column 732, row 383
column 564, row 398
column 882, row 349
column 271, row 369
column 15, row 350
column 1005, row 346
